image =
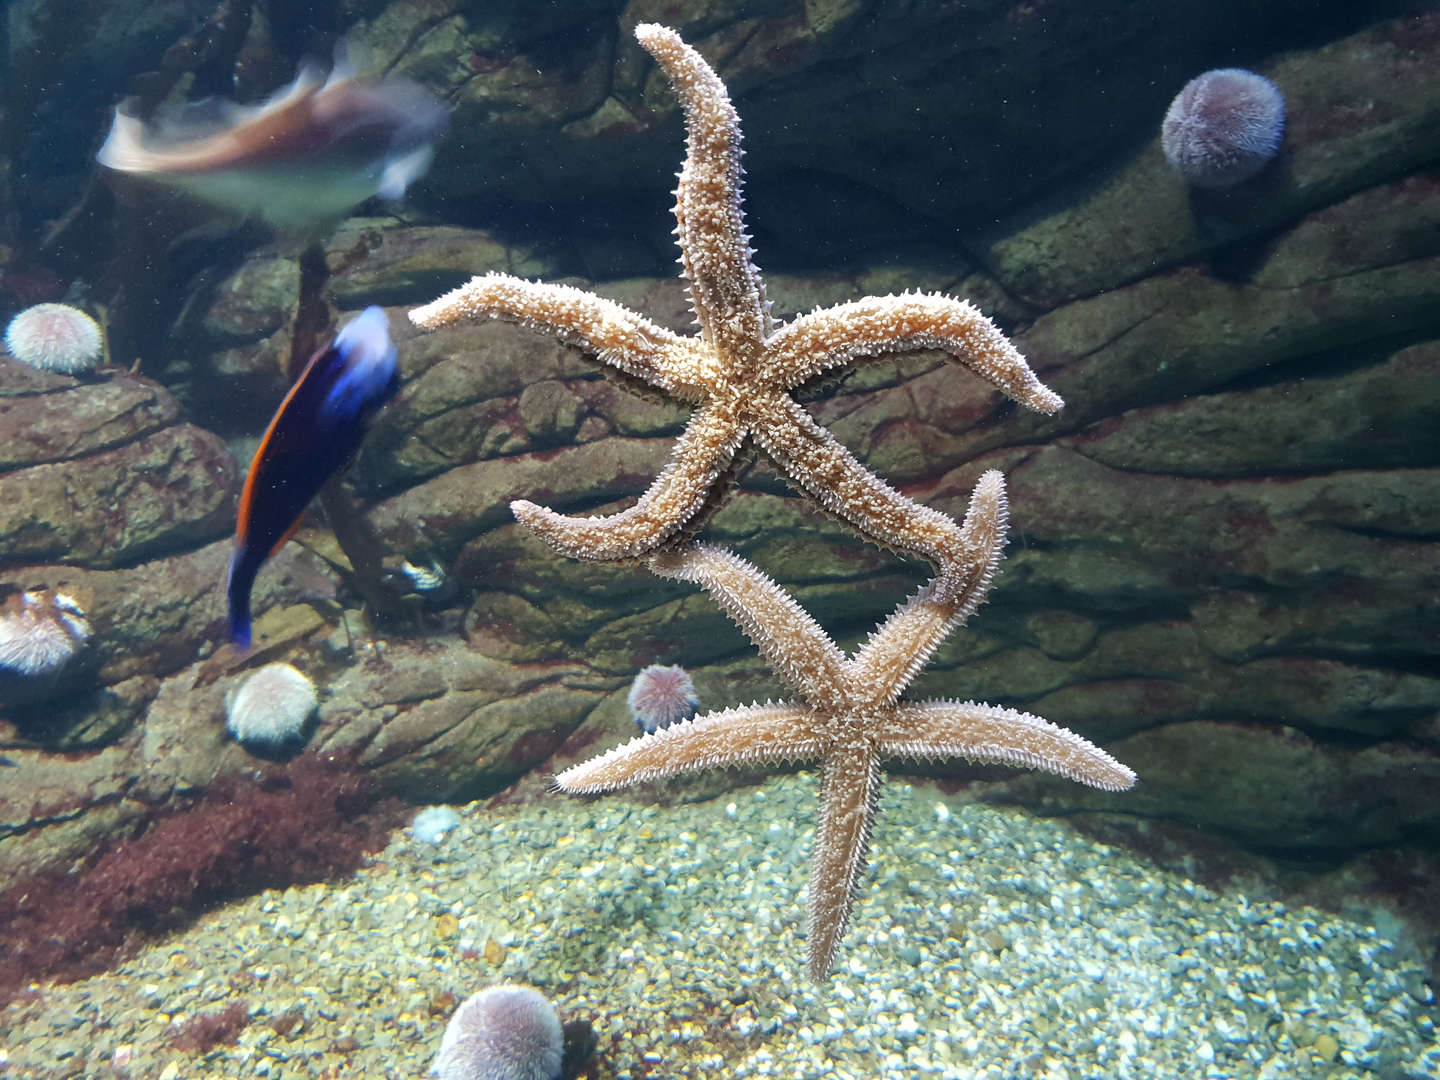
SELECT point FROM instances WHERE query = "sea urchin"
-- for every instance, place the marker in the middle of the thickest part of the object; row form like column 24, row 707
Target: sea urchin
column 661, row 696
column 506, row 1032
column 40, row 631
column 270, row 709
column 1223, row 127
column 55, row 337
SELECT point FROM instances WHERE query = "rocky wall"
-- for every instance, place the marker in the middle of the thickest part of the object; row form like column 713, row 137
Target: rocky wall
column 1224, row 553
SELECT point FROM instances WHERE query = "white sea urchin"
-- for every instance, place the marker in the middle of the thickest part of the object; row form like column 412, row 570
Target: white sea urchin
column 55, row 337
column 270, row 708
column 507, row 1032
column 40, row 630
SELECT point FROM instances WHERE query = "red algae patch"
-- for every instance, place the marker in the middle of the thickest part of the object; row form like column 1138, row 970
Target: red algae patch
column 315, row 819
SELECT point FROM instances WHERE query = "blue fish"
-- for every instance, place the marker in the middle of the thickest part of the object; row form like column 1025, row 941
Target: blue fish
column 314, row 434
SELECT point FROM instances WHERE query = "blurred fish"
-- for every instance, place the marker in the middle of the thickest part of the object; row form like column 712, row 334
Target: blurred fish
column 425, row 579
column 313, row 435
column 314, row 150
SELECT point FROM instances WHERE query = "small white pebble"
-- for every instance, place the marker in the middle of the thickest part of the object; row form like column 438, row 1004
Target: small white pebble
column 433, row 824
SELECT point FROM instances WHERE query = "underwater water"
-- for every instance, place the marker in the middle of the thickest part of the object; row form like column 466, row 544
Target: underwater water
column 974, row 616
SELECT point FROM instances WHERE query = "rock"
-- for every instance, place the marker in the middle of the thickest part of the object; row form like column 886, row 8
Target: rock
column 434, row 721
column 568, row 115
column 56, row 809
column 1274, row 786
column 139, row 500
column 462, row 402
column 375, row 262
column 1322, row 420
column 78, row 419
column 235, row 369
column 102, row 477
column 1221, row 552
column 1360, row 110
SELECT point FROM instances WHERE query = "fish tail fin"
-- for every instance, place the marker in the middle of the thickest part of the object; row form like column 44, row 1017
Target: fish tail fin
column 238, row 583
column 402, row 170
column 123, row 149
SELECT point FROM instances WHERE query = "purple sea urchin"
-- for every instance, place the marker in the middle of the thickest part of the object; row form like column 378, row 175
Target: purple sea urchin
column 40, row 631
column 55, row 337
column 660, row 696
column 1223, row 127
column 270, row 708
column 506, row 1032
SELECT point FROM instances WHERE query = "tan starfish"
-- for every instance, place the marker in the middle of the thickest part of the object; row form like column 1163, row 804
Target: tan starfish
column 741, row 369
column 849, row 715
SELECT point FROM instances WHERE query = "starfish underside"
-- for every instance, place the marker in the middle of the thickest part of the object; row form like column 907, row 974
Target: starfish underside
column 741, row 370
column 849, row 715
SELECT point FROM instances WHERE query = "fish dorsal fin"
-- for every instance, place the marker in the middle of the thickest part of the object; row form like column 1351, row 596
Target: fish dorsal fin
column 178, row 125
column 348, row 62
column 308, row 78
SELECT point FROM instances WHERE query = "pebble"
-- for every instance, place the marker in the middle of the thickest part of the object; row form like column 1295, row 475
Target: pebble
column 984, row 944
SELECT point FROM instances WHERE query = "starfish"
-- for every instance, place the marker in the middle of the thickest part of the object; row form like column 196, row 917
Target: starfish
column 850, row 715
column 741, row 370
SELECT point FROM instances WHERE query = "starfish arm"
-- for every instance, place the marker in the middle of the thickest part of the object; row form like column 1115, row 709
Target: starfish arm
column 702, row 453
column 748, row 735
column 618, row 336
column 793, row 642
column 991, row 733
column 726, row 289
column 831, row 475
column 849, row 792
column 876, row 325
column 900, row 647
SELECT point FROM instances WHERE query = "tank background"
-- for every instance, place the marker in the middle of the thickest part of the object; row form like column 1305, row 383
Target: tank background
column 1221, row 547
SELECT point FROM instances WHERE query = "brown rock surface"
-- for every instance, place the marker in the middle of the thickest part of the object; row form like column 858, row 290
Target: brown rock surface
column 118, row 506
column 431, row 720
column 100, row 475
column 1227, row 525
column 1224, row 555
column 78, row 419
column 1342, row 136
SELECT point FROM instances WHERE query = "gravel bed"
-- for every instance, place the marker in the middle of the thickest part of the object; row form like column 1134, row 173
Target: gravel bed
column 985, row 945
